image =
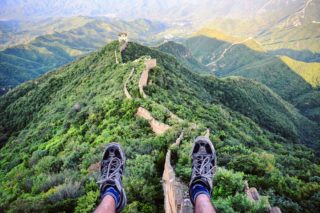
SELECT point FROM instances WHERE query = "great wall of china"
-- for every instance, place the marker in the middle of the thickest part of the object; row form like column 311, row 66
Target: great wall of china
column 125, row 89
column 157, row 127
column 175, row 191
column 176, row 199
column 149, row 64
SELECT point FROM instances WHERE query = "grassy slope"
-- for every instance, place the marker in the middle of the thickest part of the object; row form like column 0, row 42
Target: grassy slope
column 310, row 72
column 297, row 38
column 57, row 144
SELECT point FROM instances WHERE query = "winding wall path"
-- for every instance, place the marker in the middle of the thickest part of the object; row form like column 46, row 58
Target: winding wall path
column 157, row 127
column 174, row 189
column 149, row 64
column 176, row 198
column 125, row 89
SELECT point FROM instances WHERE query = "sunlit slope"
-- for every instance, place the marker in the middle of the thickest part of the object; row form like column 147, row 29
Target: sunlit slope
column 226, row 59
column 287, row 77
column 310, row 72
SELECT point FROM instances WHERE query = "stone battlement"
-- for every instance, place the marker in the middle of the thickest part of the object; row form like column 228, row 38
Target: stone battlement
column 149, row 64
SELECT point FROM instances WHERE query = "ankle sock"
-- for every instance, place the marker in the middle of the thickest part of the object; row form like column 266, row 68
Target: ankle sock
column 113, row 193
column 198, row 189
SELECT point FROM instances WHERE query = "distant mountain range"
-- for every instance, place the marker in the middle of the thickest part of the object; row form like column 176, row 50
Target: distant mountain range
column 36, row 45
column 292, row 27
column 229, row 56
column 60, row 41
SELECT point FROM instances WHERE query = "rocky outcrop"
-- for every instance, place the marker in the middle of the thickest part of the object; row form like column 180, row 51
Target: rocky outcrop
column 149, row 64
column 253, row 195
column 157, row 127
column 125, row 89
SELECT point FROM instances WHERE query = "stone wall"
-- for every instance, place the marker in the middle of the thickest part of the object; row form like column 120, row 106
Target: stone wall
column 149, row 64
column 123, row 46
column 157, row 127
column 176, row 198
column 125, row 89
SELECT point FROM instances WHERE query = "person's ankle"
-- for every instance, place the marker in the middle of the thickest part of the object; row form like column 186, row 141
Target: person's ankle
column 112, row 191
column 198, row 189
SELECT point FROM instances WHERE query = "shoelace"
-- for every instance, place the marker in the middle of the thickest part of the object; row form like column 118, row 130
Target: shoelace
column 110, row 169
column 203, row 167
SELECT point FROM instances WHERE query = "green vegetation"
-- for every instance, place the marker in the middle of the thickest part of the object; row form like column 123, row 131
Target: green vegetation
column 184, row 56
column 62, row 41
column 310, row 72
column 303, row 37
column 240, row 60
column 196, row 99
column 294, row 81
column 309, row 105
column 50, row 147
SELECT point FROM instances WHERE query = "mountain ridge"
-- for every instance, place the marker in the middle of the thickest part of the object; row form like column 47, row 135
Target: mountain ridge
column 60, row 141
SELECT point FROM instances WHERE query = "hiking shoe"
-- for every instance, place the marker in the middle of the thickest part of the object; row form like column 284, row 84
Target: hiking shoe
column 112, row 166
column 203, row 164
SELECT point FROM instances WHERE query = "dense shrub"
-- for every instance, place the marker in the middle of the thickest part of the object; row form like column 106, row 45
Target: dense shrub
column 227, row 183
column 65, row 191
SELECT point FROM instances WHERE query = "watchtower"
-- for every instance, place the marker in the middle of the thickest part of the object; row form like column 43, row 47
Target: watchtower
column 123, row 37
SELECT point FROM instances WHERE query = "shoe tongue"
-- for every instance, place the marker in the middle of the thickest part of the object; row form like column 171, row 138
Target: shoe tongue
column 202, row 150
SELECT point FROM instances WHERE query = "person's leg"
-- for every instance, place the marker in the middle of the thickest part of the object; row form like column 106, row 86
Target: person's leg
column 203, row 204
column 203, row 169
column 113, row 197
column 107, row 205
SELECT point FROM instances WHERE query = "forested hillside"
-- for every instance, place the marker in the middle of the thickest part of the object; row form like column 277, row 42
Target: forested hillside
column 184, row 56
column 61, row 42
column 54, row 130
column 229, row 56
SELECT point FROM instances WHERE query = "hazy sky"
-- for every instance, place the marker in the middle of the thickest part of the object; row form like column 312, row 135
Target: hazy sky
column 129, row 9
